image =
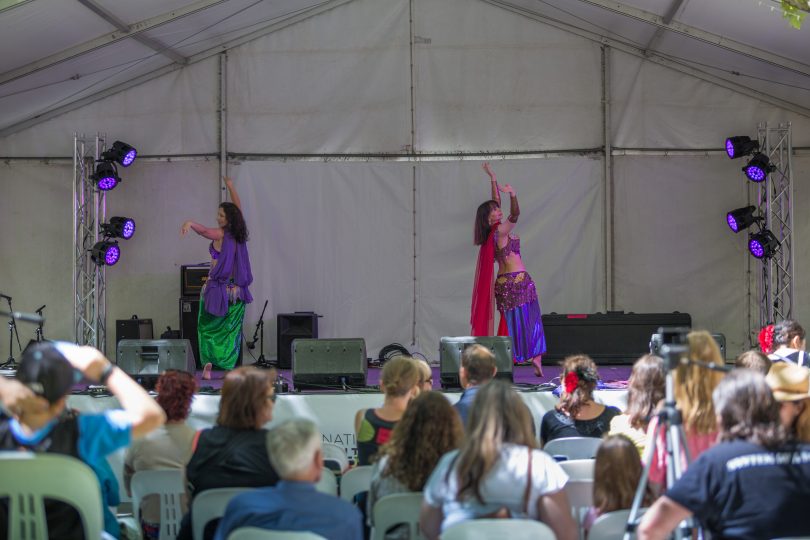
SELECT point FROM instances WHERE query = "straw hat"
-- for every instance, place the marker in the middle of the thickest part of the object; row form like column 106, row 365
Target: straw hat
column 789, row 382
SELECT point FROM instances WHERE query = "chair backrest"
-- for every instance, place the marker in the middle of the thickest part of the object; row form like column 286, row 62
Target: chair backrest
column 334, row 457
column 210, row 504
column 399, row 508
column 254, row 533
column 27, row 479
column 612, row 526
column 328, row 483
column 167, row 484
column 580, row 495
column 579, row 469
column 354, row 481
column 498, row 529
column 573, row 447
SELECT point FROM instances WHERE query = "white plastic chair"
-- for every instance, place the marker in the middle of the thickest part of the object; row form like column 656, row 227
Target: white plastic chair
column 498, row 529
column 580, row 495
column 399, row 508
column 611, row 526
column 334, row 457
column 254, row 533
column 354, row 481
column 210, row 505
column 29, row 478
column 167, row 484
column 328, row 482
column 579, row 469
column 573, row 447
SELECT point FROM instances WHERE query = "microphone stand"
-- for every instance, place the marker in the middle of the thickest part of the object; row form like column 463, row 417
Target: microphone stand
column 39, row 334
column 258, row 335
column 12, row 333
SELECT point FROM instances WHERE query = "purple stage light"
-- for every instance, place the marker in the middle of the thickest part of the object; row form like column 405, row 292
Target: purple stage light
column 129, row 158
column 112, row 255
column 758, row 168
column 128, row 230
column 756, row 248
column 755, row 173
column 107, row 183
column 732, row 222
column 121, row 153
column 730, row 148
column 740, row 146
column 763, row 245
column 105, row 252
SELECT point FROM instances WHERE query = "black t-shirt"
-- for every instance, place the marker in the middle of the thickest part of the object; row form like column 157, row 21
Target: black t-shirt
column 556, row 425
column 741, row 490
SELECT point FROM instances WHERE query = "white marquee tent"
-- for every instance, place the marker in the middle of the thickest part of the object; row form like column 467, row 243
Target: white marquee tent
column 355, row 131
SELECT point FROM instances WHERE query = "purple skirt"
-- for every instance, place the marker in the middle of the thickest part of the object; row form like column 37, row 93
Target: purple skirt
column 516, row 298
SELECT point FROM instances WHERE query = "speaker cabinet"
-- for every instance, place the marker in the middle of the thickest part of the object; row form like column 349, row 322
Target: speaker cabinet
column 189, row 309
column 317, row 363
column 139, row 357
column 657, row 341
column 292, row 326
column 133, row 329
column 451, row 348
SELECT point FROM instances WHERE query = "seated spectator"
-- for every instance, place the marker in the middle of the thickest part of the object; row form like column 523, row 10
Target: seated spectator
column 693, row 389
column 399, row 382
column 497, row 472
column 791, row 388
column 477, row 368
column 168, row 447
column 294, row 448
column 428, row 429
column 644, row 392
column 789, row 343
column 577, row 414
column 617, row 472
column 233, row 453
column 755, row 360
column 426, row 378
column 36, row 420
column 752, row 484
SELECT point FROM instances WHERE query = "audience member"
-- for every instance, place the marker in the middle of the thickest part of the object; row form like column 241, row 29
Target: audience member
column 755, row 360
column 233, row 453
column 789, row 342
column 791, row 388
column 36, row 420
column 426, row 375
column 753, row 484
column 645, row 391
column 477, row 367
column 168, row 447
column 429, row 428
column 399, row 382
column 497, row 472
column 294, row 448
column 616, row 477
column 693, row 395
column 576, row 414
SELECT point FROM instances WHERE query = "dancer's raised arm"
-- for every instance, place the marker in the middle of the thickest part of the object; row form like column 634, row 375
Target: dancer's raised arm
column 215, row 233
column 232, row 191
column 496, row 191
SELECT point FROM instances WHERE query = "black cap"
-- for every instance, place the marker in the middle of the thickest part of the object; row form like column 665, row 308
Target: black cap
column 46, row 372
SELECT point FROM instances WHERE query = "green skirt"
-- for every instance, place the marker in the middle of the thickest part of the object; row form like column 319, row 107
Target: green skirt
column 220, row 338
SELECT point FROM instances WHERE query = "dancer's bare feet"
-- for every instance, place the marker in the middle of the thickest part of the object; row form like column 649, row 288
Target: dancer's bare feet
column 537, row 365
column 207, row 372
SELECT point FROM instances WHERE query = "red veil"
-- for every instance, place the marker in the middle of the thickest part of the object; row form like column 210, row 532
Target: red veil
column 483, row 295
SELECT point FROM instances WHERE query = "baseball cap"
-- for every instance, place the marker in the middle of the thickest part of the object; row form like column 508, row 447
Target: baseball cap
column 46, row 372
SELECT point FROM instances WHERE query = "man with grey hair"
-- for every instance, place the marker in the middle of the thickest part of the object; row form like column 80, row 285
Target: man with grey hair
column 294, row 448
column 477, row 368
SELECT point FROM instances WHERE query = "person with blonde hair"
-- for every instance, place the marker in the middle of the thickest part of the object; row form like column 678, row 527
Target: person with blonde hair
column 576, row 414
column 497, row 472
column 694, row 384
column 791, row 388
column 755, row 360
column 426, row 379
column 399, row 382
column 644, row 392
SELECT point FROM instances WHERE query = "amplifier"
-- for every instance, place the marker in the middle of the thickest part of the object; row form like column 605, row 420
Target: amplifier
column 451, row 348
column 614, row 337
column 192, row 278
column 154, row 356
column 133, row 328
column 292, row 326
column 329, row 362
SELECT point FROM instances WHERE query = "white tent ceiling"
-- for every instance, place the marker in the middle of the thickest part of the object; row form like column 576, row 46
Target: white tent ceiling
column 66, row 53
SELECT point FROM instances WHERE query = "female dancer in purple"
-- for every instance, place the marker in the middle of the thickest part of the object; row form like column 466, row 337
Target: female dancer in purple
column 222, row 304
column 514, row 291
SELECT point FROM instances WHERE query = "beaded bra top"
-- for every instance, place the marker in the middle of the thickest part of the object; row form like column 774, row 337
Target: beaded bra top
column 212, row 250
column 512, row 246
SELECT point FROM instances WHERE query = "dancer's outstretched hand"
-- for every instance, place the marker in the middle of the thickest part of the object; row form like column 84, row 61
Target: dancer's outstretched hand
column 185, row 228
column 507, row 188
column 488, row 168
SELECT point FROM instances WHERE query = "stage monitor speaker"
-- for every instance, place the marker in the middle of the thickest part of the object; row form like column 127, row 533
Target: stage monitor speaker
column 657, row 340
column 292, row 326
column 147, row 358
column 318, row 363
column 133, row 328
column 189, row 308
column 451, row 348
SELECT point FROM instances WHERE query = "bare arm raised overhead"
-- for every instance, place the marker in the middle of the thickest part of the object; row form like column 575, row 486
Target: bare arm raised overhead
column 232, row 192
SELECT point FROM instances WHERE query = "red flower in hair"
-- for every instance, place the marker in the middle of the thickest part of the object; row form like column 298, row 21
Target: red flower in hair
column 571, row 382
column 766, row 339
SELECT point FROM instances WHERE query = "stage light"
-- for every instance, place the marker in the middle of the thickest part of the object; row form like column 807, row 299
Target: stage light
column 119, row 227
column 106, row 176
column 105, row 252
column 758, row 168
column 120, row 152
column 740, row 146
column 763, row 245
column 741, row 218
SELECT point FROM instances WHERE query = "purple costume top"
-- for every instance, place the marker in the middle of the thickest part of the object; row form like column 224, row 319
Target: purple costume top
column 233, row 264
column 512, row 246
